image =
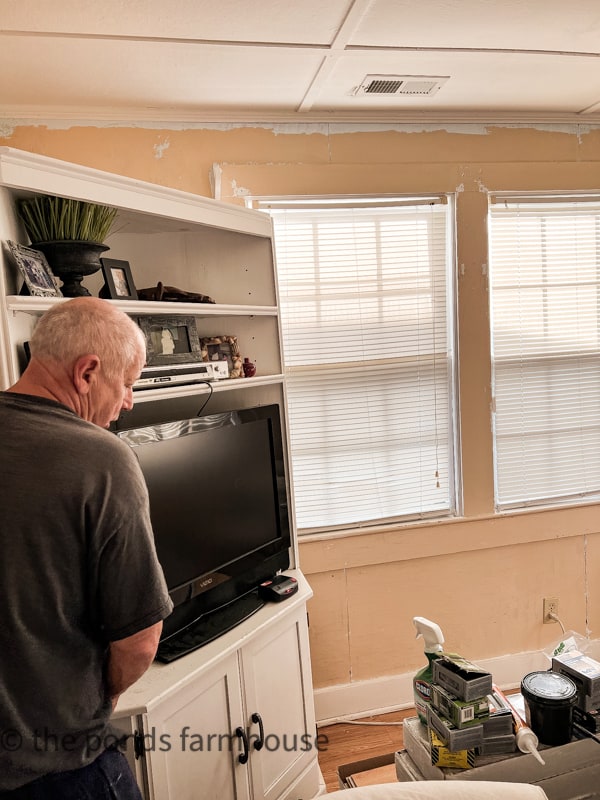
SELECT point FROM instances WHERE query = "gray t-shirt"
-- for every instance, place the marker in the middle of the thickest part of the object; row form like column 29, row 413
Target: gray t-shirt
column 78, row 569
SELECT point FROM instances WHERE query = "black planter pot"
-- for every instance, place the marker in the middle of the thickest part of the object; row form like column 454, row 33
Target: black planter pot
column 71, row 261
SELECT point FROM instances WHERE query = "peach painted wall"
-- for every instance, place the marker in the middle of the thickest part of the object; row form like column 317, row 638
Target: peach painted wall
column 481, row 577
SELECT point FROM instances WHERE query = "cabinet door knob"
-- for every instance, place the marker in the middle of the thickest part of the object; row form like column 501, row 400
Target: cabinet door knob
column 241, row 734
column 258, row 743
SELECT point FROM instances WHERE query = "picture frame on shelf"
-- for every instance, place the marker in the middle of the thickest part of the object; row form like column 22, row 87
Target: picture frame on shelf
column 170, row 340
column 39, row 280
column 118, row 281
column 223, row 348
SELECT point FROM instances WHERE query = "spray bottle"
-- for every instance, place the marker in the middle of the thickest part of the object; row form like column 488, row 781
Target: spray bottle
column 434, row 640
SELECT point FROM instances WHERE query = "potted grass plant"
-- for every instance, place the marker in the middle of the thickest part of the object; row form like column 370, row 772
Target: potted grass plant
column 70, row 233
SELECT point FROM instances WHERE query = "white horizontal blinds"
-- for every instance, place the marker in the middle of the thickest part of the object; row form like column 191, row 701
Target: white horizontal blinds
column 545, row 303
column 365, row 314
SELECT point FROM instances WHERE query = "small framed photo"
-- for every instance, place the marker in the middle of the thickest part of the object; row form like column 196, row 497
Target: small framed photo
column 223, row 348
column 118, row 283
column 39, row 279
column 170, row 340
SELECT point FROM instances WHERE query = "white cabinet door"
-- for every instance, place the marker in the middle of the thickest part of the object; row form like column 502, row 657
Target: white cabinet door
column 131, row 727
column 278, row 688
column 191, row 747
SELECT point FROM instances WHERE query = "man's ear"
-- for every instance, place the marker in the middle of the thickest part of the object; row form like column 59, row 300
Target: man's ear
column 85, row 372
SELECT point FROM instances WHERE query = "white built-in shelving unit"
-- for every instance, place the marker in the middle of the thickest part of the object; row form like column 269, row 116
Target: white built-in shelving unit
column 262, row 666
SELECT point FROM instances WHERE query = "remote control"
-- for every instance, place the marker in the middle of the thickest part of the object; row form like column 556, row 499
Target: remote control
column 278, row 588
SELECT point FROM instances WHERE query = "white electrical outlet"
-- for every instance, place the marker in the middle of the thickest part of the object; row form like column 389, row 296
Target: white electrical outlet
column 550, row 607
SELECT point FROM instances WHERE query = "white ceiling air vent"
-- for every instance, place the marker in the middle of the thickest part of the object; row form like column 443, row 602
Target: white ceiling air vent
column 414, row 85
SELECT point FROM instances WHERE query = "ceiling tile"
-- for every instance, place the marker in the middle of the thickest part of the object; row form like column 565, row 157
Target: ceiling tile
column 311, row 21
column 73, row 72
column 481, row 24
column 488, row 81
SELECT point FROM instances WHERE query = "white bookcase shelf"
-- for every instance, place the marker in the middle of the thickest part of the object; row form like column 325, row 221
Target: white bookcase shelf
column 37, row 305
column 193, row 243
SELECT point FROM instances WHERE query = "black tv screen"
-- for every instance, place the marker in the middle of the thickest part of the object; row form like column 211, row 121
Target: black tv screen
column 218, row 504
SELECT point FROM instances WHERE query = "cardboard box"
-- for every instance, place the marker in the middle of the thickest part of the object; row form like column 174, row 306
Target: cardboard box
column 460, row 677
column 577, row 665
column 406, row 769
column 589, row 719
column 498, row 745
column 499, row 723
column 461, row 713
column 417, row 743
column 346, row 771
column 585, row 674
column 455, row 738
column 441, row 756
column 371, row 777
column 571, row 770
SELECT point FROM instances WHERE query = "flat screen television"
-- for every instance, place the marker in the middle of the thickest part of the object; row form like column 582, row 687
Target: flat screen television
column 219, row 510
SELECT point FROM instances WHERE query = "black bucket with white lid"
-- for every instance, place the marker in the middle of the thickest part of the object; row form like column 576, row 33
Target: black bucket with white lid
column 549, row 700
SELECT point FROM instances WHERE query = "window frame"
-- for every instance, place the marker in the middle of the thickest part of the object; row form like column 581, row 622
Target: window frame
column 454, row 506
column 542, row 359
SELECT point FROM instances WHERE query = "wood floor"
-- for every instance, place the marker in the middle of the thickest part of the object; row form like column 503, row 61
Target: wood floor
column 348, row 742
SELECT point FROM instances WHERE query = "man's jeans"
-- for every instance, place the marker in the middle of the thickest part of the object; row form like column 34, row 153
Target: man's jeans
column 107, row 778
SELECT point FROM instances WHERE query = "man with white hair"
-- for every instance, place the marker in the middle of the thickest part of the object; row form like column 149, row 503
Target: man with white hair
column 82, row 593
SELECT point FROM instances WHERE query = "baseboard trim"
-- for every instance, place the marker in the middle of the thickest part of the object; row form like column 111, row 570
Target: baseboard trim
column 394, row 692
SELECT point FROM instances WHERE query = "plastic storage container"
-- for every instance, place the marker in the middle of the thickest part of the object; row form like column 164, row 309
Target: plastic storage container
column 549, row 700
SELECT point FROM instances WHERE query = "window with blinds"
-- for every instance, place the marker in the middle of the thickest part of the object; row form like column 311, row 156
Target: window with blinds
column 366, row 299
column 545, row 314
